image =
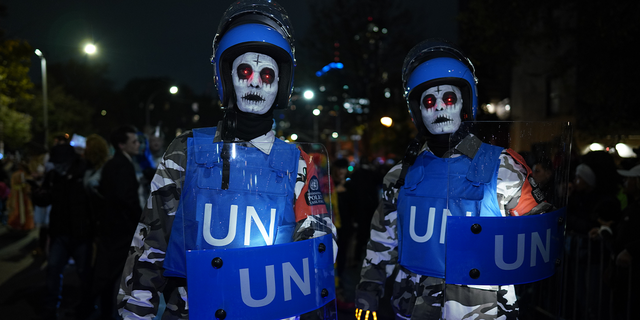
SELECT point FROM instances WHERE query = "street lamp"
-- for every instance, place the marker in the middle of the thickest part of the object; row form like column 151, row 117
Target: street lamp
column 316, row 113
column 43, row 66
column 90, row 48
column 386, row 121
column 308, row 94
column 147, row 106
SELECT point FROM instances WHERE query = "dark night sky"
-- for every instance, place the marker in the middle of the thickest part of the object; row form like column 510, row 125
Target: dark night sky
column 145, row 38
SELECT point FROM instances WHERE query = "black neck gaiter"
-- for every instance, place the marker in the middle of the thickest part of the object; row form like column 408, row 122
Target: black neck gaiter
column 250, row 125
column 439, row 144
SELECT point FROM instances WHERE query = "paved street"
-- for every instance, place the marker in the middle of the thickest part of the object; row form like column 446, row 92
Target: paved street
column 21, row 275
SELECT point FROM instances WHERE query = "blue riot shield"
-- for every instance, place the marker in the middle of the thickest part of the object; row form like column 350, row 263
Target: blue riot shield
column 271, row 282
column 496, row 251
column 505, row 221
column 502, row 223
column 253, row 234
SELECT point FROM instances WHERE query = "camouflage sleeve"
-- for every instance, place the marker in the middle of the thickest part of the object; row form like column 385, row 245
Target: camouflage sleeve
column 515, row 193
column 382, row 254
column 511, row 176
column 142, row 277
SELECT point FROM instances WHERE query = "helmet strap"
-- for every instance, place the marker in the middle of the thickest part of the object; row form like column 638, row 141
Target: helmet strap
column 229, row 124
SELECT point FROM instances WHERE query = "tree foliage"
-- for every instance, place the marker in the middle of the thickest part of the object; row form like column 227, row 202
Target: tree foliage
column 15, row 128
column 15, row 59
column 15, row 88
column 66, row 114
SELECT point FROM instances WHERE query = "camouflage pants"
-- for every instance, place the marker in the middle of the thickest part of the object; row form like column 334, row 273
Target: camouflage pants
column 421, row 297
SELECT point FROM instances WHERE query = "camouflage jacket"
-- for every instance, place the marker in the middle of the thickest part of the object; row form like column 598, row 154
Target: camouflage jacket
column 418, row 296
column 142, row 278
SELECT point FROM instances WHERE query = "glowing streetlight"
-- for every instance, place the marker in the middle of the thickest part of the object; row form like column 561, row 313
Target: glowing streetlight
column 308, row 94
column 147, row 122
column 625, row 151
column 90, row 48
column 316, row 112
column 334, row 135
column 596, row 147
column 45, row 119
column 294, row 137
column 386, row 121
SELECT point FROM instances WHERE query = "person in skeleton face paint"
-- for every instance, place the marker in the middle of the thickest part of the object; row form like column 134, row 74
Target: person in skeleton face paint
column 212, row 180
column 255, row 82
column 440, row 109
column 440, row 88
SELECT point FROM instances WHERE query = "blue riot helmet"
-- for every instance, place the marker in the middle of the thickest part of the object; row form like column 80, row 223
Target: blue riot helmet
column 260, row 26
column 436, row 62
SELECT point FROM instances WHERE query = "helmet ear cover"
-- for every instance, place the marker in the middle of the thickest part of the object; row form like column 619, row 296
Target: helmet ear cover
column 413, row 99
column 284, row 65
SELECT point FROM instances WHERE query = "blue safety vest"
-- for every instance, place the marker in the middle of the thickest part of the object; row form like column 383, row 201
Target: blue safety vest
column 255, row 210
column 436, row 188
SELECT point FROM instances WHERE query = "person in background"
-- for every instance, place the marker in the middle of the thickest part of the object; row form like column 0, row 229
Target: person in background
column 4, row 194
column 19, row 205
column 41, row 213
column 119, row 187
column 626, row 246
column 96, row 154
column 593, row 206
column 71, row 226
column 543, row 175
column 342, row 203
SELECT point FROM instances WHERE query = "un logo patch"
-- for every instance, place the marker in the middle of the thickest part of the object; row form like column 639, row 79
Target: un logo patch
column 313, row 184
column 314, row 195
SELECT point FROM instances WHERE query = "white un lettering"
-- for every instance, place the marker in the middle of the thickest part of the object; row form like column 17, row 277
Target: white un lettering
column 251, row 214
column 536, row 243
column 430, row 223
column 288, row 273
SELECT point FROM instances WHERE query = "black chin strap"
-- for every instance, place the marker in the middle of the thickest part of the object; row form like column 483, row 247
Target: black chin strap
column 229, row 125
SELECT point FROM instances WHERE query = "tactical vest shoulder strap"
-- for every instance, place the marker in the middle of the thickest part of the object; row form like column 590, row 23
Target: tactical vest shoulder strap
column 485, row 158
column 286, row 158
column 204, row 133
column 204, row 147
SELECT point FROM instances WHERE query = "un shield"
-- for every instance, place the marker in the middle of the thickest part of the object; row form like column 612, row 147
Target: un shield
column 257, row 232
column 517, row 245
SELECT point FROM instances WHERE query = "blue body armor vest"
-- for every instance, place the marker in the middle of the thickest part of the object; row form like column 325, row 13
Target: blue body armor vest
column 255, row 210
column 436, row 188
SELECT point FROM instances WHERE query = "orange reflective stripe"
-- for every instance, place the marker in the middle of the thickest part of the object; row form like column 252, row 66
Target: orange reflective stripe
column 527, row 201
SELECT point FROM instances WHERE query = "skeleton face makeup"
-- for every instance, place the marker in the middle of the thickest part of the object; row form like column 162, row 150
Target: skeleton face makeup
column 255, row 80
column 440, row 107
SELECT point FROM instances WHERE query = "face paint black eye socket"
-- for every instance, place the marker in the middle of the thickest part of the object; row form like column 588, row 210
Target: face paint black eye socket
column 267, row 75
column 449, row 98
column 244, row 71
column 429, row 101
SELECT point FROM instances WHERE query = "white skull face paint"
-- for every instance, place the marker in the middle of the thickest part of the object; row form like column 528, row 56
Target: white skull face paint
column 255, row 80
column 440, row 107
